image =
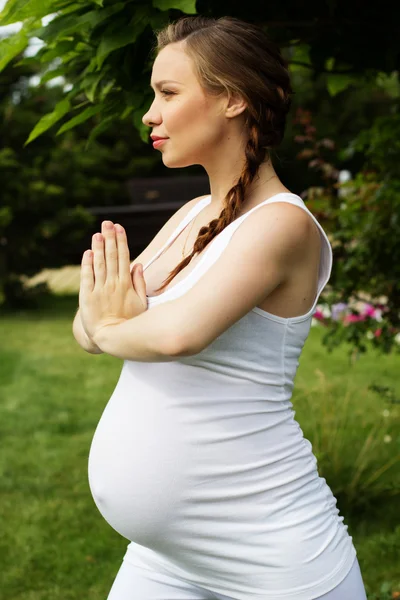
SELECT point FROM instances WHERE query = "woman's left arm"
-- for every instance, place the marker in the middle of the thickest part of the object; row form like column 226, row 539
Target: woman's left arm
column 261, row 255
column 148, row 337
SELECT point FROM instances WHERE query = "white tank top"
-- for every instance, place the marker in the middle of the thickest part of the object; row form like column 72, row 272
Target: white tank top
column 200, row 463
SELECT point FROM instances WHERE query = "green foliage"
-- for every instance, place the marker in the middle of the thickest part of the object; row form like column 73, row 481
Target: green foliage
column 186, row 6
column 98, row 48
column 105, row 49
column 364, row 224
column 46, row 186
column 81, row 118
column 368, row 224
column 336, row 80
column 19, row 10
column 48, row 120
column 12, row 46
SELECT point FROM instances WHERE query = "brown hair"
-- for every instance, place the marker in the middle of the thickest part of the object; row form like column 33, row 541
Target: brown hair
column 249, row 65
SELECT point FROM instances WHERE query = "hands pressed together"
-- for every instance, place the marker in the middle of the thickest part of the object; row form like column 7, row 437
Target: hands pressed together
column 110, row 292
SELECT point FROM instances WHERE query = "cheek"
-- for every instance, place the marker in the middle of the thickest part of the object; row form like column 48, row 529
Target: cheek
column 187, row 117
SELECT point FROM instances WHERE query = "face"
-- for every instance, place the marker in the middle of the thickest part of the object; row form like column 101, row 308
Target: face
column 193, row 121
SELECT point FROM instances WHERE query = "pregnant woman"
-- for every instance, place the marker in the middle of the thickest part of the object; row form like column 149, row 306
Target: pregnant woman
column 197, row 459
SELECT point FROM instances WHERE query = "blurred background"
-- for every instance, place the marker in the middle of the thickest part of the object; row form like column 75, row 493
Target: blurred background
column 74, row 82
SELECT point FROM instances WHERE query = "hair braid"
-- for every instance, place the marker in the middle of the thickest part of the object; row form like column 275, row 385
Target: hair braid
column 235, row 198
column 267, row 94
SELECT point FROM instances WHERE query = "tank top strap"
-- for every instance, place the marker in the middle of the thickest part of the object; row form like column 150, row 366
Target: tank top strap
column 220, row 242
column 193, row 212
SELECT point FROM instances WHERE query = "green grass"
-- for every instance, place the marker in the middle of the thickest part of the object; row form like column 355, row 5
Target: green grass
column 56, row 546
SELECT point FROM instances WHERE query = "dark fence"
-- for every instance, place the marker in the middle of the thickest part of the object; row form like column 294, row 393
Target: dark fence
column 153, row 202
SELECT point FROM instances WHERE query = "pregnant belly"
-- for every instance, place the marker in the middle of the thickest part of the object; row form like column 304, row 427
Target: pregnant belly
column 137, row 467
column 166, row 469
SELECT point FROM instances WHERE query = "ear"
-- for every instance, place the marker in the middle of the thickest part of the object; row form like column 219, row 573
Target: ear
column 235, row 106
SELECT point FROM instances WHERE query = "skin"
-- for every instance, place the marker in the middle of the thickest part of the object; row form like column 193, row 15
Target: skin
column 202, row 129
column 206, row 130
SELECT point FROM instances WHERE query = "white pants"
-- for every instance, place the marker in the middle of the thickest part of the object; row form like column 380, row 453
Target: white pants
column 143, row 583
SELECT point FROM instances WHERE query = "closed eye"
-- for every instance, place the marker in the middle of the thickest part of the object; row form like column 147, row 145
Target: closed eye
column 167, row 92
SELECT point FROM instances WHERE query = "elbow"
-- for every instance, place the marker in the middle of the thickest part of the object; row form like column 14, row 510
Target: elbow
column 170, row 333
column 174, row 346
column 181, row 346
column 93, row 350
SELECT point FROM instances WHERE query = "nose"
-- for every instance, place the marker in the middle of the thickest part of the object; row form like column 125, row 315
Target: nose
column 147, row 118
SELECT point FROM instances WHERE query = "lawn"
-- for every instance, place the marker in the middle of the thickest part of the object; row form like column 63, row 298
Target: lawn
column 56, row 546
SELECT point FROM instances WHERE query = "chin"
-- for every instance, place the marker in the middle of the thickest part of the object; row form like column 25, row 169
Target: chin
column 177, row 163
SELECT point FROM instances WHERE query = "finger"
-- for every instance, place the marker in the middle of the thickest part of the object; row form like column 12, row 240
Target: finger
column 110, row 250
column 139, row 283
column 87, row 276
column 99, row 264
column 123, row 252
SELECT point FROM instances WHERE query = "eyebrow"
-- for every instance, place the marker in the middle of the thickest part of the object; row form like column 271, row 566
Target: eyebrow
column 160, row 83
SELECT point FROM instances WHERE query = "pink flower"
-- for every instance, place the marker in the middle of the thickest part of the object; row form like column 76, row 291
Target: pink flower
column 319, row 315
column 353, row 318
column 369, row 310
column 378, row 332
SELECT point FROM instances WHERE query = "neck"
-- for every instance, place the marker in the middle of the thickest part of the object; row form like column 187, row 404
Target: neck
column 266, row 183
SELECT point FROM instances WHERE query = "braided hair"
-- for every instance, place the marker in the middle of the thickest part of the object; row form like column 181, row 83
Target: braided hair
column 251, row 66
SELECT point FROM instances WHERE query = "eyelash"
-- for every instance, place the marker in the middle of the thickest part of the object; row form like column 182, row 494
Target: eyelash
column 166, row 92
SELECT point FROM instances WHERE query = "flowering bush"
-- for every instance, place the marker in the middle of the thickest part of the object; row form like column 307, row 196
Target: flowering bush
column 364, row 319
column 361, row 216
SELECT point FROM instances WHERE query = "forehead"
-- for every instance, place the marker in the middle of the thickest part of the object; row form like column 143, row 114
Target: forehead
column 172, row 64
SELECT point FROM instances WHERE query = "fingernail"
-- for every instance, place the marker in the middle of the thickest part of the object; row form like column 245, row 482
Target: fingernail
column 119, row 228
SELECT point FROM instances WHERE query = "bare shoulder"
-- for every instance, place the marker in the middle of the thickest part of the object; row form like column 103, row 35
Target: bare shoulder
column 293, row 219
column 264, row 250
column 304, row 236
column 166, row 230
column 279, row 230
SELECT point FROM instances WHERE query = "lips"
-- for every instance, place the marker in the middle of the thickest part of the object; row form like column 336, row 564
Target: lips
column 159, row 142
column 156, row 137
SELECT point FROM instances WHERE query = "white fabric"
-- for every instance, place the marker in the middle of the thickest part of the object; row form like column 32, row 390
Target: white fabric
column 201, row 464
column 137, row 580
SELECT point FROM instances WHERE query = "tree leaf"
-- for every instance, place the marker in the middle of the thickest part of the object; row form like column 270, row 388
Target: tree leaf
column 12, row 46
column 89, row 84
column 144, row 130
column 120, row 34
column 186, row 6
column 126, row 112
column 56, row 52
column 48, row 120
column 51, row 74
column 90, row 111
column 19, row 10
column 103, row 126
column 337, row 83
column 66, row 24
column 107, row 89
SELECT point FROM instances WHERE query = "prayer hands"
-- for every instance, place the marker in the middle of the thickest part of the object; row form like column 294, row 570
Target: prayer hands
column 109, row 292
